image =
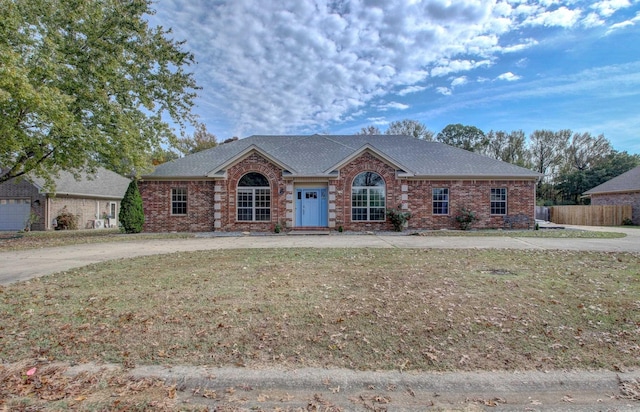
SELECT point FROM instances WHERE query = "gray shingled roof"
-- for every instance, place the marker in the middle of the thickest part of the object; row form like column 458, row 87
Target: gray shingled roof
column 315, row 155
column 104, row 183
column 626, row 182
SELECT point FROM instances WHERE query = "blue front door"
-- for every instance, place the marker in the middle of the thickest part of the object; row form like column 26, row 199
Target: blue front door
column 311, row 207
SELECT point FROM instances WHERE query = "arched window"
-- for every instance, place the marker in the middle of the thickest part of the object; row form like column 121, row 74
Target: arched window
column 367, row 197
column 254, row 198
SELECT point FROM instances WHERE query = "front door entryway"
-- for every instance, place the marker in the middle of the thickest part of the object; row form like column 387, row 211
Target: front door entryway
column 311, row 207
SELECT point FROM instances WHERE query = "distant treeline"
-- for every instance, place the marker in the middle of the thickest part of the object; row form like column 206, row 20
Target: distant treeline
column 570, row 163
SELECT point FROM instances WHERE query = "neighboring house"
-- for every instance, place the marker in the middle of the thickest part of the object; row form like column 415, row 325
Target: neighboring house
column 95, row 201
column 621, row 190
column 322, row 181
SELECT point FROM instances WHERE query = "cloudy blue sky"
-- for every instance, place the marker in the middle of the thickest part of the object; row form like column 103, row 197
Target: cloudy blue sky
column 335, row 66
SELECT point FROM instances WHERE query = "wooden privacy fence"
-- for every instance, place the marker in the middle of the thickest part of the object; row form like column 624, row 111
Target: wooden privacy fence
column 590, row 215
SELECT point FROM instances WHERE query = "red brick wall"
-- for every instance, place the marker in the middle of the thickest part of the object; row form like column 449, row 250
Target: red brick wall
column 212, row 204
column 228, row 195
column 469, row 194
column 632, row 199
column 156, row 198
column 364, row 163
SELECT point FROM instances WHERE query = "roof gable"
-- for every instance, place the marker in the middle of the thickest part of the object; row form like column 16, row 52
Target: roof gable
column 626, row 182
column 221, row 170
column 370, row 149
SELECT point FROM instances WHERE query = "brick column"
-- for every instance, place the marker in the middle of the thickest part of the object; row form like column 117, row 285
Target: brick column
column 217, row 205
column 332, row 206
column 288, row 222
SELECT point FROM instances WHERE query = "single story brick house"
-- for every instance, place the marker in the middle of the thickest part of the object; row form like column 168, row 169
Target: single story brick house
column 621, row 190
column 332, row 182
column 94, row 200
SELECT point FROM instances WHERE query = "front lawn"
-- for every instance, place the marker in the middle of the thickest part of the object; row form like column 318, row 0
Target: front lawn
column 409, row 309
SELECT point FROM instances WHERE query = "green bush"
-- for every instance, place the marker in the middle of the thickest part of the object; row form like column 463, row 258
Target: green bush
column 465, row 218
column 627, row 222
column 398, row 218
column 131, row 214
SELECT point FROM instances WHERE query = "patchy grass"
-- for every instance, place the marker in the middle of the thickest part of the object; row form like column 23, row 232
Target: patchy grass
column 368, row 309
column 31, row 240
column 25, row 387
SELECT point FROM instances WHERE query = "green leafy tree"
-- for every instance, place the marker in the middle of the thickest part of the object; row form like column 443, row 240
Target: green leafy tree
column 410, row 128
column 571, row 184
column 85, row 83
column 131, row 214
column 199, row 141
column 465, row 137
column 160, row 155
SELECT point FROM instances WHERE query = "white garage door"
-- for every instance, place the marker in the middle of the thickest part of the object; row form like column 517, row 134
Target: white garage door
column 14, row 213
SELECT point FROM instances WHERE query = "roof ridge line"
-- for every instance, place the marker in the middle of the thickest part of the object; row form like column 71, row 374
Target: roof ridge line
column 288, row 143
column 328, row 137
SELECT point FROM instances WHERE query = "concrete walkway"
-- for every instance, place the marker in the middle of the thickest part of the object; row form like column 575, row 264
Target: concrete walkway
column 27, row 264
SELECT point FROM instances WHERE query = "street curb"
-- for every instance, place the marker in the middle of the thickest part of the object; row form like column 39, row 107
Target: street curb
column 456, row 382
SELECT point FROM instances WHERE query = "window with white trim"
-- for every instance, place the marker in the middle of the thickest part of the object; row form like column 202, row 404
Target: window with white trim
column 499, row 201
column 254, row 198
column 368, row 197
column 179, row 201
column 440, row 201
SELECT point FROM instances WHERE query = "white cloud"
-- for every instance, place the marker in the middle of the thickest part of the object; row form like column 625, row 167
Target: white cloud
column 518, row 47
column 623, row 24
column 508, row 76
column 562, row 17
column 607, row 8
column 459, row 81
column 446, row 66
column 411, row 89
column 277, row 67
column 592, row 20
column 378, row 121
column 393, row 105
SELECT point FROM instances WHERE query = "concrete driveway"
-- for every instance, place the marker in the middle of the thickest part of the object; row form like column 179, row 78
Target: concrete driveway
column 27, row 264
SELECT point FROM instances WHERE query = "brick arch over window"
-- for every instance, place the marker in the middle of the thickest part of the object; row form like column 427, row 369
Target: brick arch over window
column 367, row 162
column 368, row 198
column 253, row 163
column 254, row 198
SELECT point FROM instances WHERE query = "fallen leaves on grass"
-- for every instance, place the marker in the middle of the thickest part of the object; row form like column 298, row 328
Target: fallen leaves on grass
column 363, row 309
column 629, row 389
column 101, row 389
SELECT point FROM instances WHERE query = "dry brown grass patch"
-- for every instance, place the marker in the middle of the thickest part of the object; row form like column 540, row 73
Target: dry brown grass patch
column 437, row 310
